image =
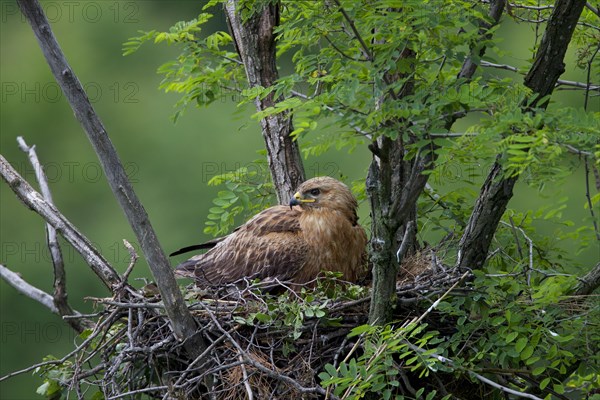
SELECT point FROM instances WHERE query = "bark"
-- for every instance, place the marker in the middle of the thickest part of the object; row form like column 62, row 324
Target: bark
column 589, row 283
column 252, row 31
column 497, row 189
column 549, row 62
column 393, row 186
column 184, row 326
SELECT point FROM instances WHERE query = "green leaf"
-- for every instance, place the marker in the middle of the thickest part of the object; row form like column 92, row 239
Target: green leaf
column 527, row 352
column 331, row 370
column 545, row 383
column 511, row 336
column 359, row 330
column 521, row 343
column 538, row 371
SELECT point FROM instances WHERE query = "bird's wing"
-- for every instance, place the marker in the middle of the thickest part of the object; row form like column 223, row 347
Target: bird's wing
column 268, row 245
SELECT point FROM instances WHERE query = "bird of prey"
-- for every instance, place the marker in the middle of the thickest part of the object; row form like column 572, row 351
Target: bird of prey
column 317, row 232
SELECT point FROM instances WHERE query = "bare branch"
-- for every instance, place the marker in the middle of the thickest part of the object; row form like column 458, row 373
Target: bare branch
column 559, row 82
column 15, row 280
column 60, row 277
column 593, row 9
column 183, row 324
column 82, row 245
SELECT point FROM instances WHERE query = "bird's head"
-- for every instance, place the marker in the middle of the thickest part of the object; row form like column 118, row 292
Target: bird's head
column 325, row 192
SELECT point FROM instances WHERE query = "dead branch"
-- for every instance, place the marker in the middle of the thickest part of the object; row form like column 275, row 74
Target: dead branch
column 183, row 324
column 23, row 287
column 60, row 277
column 51, row 215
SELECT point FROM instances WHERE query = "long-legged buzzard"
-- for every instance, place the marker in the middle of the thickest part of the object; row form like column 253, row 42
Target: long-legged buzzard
column 317, row 232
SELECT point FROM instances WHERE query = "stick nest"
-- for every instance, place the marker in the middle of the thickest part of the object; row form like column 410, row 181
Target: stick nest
column 266, row 340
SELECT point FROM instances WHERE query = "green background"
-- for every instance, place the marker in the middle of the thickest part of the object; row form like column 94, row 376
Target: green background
column 169, row 164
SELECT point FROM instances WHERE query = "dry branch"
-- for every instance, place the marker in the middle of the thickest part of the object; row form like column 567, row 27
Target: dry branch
column 60, row 277
column 51, row 215
column 23, row 287
column 183, row 324
column 133, row 340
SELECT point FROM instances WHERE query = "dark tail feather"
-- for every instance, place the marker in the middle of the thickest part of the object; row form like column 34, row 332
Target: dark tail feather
column 192, row 248
column 203, row 246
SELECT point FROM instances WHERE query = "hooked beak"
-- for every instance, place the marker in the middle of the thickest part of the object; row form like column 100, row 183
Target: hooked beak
column 297, row 200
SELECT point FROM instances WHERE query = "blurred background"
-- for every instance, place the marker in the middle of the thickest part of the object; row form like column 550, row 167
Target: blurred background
column 169, row 164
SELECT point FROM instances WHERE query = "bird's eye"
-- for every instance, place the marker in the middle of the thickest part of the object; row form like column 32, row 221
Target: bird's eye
column 315, row 192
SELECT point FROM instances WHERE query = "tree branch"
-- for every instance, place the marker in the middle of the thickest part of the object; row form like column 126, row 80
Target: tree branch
column 183, row 324
column 497, row 189
column 549, row 62
column 23, row 287
column 254, row 39
column 82, row 245
column 60, row 277
column 589, row 283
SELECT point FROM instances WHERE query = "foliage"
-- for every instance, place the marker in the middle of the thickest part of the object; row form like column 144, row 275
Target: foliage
column 247, row 191
column 386, row 351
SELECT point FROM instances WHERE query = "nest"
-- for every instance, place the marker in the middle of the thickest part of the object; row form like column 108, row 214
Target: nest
column 266, row 340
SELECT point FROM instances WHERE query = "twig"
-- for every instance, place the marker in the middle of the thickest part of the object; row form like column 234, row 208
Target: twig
column 416, row 321
column 475, row 374
column 559, row 82
column 245, row 378
column 14, row 280
column 92, row 336
column 133, row 258
column 60, row 277
column 82, row 245
column 357, row 35
column 593, row 9
column 250, row 361
column 589, row 199
column 408, row 231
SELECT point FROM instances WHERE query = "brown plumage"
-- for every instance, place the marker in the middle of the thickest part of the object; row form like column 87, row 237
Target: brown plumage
column 318, row 231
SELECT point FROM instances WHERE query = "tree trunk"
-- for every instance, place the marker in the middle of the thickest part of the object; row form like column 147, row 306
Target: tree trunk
column 497, row 189
column 254, row 38
column 394, row 185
